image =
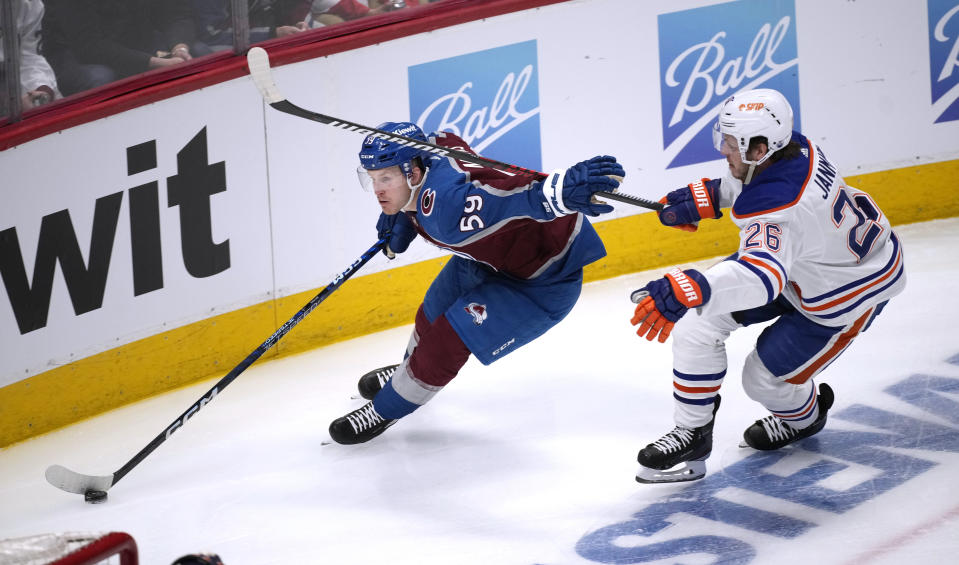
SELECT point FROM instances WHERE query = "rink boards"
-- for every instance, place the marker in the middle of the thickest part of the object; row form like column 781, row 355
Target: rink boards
column 159, row 246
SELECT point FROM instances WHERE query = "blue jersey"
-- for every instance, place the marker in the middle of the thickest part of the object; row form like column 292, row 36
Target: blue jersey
column 499, row 219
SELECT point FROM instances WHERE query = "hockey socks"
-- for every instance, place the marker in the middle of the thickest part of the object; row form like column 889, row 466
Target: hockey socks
column 391, row 405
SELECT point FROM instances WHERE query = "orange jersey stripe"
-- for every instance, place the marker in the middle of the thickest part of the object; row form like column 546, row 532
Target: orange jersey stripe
column 855, row 293
column 695, row 389
column 764, row 265
column 795, row 416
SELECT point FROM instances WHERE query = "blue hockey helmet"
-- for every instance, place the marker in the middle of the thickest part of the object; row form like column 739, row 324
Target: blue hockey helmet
column 380, row 153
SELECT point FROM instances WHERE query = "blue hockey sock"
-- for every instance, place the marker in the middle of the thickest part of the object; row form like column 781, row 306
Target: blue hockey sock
column 389, row 404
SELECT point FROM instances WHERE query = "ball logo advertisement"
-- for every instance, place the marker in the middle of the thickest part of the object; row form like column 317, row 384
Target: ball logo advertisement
column 944, row 58
column 489, row 98
column 707, row 54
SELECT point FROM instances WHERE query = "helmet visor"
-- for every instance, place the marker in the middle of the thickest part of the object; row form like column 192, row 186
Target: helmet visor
column 365, row 180
column 393, row 177
column 717, row 137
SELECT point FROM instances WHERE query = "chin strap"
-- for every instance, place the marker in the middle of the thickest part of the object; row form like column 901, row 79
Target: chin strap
column 749, row 173
column 414, row 190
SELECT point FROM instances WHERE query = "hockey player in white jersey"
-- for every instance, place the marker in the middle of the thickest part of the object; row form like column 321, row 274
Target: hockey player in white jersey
column 815, row 255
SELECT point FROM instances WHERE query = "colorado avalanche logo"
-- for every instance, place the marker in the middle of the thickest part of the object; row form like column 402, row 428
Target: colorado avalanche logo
column 426, row 201
column 478, row 311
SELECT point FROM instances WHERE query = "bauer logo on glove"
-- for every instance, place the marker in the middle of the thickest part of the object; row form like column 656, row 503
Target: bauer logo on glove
column 661, row 303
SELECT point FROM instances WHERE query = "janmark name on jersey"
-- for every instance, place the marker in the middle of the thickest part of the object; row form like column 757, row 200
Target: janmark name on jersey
column 825, row 174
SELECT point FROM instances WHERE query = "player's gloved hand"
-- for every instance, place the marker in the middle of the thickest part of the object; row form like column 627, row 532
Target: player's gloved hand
column 573, row 190
column 662, row 302
column 686, row 206
column 399, row 231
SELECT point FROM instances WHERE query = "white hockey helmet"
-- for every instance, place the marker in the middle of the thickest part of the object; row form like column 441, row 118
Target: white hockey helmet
column 753, row 113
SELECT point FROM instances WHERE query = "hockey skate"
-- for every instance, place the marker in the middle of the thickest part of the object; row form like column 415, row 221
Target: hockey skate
column 359, row 426
column 772, row 433
column 679, row 455
column 372, row 382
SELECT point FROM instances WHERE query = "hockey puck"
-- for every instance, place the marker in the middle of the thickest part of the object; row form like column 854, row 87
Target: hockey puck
column 95, row 496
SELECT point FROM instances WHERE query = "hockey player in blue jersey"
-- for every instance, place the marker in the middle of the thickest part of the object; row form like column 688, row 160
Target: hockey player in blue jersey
column 519, row 249
column 815, row 255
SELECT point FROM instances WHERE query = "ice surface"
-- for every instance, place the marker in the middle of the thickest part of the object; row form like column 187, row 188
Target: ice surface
column 531, row 460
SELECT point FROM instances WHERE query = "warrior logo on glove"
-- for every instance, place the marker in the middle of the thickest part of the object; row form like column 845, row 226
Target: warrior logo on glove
column 686, row 206
column 663, row 302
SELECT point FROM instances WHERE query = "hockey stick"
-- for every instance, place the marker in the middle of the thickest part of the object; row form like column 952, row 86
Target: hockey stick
column 95, row 487
column 259, row 63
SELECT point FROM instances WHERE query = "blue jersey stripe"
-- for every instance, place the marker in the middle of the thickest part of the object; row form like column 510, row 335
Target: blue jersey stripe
column 863, row 298
column 804, row 406
column 696, row 401
column 770, row 294
column 707, row 377
column 771, row 259
column 857, row 283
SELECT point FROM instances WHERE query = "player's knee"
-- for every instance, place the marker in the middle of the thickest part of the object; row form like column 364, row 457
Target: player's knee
column 752, row 389
column 697, row 340
column 758, row 381
column 439, row 355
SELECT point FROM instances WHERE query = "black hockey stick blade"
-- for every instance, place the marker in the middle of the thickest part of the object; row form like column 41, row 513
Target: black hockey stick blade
column 259, row 64
column 71, row 481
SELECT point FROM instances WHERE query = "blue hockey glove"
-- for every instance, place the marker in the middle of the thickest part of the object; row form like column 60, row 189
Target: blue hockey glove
column 686, row 206
column 573, row 190
column 399, row 231
column 662, row 302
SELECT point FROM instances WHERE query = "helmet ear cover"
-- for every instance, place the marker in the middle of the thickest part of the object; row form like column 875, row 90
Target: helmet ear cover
column 754, row 114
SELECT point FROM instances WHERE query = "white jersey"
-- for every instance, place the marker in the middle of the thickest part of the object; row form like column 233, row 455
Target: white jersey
column 825, row 247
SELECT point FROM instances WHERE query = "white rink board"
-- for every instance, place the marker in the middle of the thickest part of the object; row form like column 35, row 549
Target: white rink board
column 72, row 169
column 596, row 96
column 295, row 215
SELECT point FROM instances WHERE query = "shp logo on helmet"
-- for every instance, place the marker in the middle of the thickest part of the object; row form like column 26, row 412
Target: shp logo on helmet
column 489, row 98
column 751, row 107
column 707, row 54
column 944, row 58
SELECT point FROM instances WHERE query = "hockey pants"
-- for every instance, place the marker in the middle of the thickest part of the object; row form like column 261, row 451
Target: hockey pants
column 470, row 308
column 779, row 371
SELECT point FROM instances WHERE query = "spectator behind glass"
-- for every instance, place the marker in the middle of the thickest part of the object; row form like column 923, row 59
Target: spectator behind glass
column 330, row 12
column 38, row 84
column 267, row 19
column 90, row 43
